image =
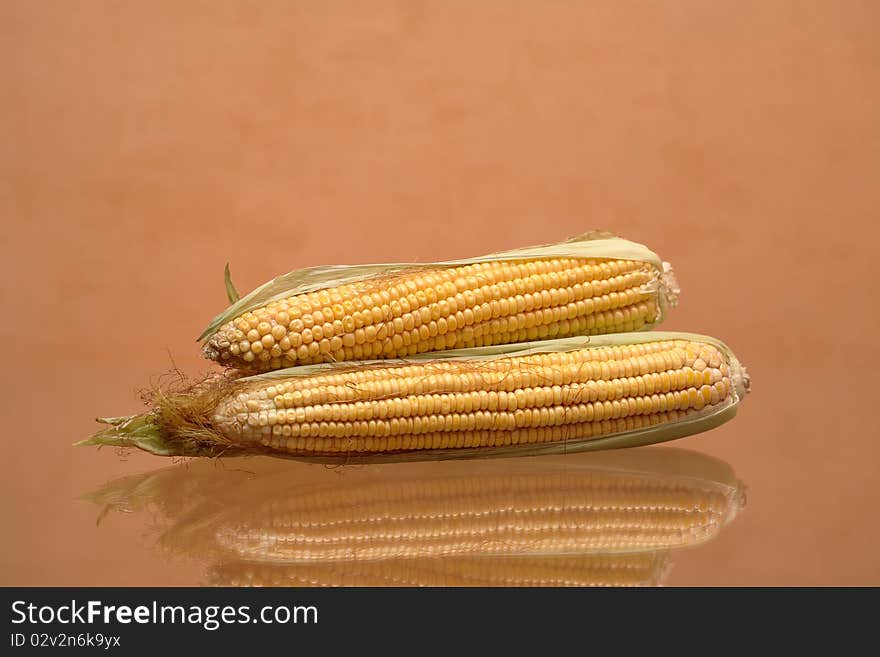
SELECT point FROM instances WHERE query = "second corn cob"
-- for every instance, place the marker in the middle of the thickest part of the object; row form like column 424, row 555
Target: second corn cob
column 647, row 386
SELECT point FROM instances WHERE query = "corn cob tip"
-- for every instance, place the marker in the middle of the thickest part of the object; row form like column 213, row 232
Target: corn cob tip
column 740, row 378
column 669, row 285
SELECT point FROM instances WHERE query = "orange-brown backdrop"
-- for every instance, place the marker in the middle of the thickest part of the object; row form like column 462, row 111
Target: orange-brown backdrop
column 145, row 144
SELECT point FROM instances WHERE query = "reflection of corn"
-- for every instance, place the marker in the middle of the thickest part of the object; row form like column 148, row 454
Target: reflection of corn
column 451, row 404
column 638, row 569
column 574, row 519
column 487, row 303
column 558, row 513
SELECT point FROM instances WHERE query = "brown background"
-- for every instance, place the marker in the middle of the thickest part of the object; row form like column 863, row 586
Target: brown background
column 146, row 144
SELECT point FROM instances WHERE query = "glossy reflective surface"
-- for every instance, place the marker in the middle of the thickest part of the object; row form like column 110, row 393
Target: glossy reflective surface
column 583, row 519
column 145, row 145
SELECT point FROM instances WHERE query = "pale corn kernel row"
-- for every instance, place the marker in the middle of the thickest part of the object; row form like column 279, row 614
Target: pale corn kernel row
column 433, row 309
column 638, row 569
column 462, row 404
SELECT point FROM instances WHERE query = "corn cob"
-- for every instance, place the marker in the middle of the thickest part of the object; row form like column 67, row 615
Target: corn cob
column 647, row 387
column 635, row 569
column 395, row 311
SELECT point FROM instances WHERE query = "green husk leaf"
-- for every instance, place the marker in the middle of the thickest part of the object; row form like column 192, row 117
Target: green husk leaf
column 129, row 431
column 231, row 292
column 302, row 281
